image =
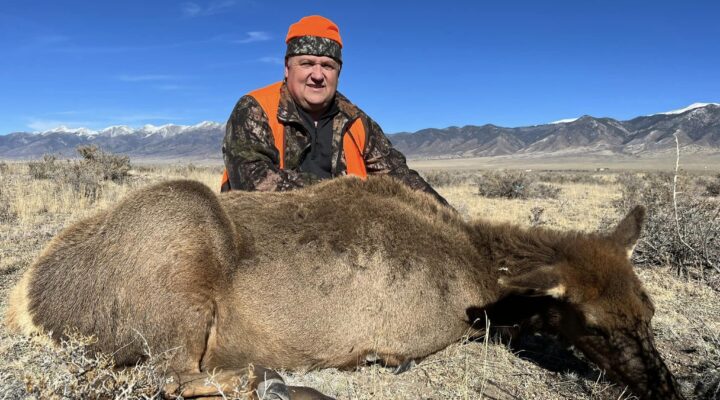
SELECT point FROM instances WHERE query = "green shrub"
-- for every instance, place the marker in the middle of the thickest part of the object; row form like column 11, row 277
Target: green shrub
column 440, row 178
column 712, row 186
column 513, row 185
column 536, row 216
column 86, row 175
column 563, row 177
column 44, row 168
column 106, row 165
column 6, row 213
column 683, row 232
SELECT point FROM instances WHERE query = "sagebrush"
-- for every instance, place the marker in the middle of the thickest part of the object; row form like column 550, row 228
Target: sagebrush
column 86, row 174
column 682, row 228
column 513, row 185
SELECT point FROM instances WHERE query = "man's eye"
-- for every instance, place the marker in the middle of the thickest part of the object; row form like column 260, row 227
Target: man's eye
column 328, row 67
column 306, row 64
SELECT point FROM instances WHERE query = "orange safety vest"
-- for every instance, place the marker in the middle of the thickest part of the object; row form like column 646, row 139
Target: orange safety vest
column 353, row 141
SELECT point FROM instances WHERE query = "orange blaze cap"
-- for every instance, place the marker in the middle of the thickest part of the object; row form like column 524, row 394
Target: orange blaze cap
column 314, row 25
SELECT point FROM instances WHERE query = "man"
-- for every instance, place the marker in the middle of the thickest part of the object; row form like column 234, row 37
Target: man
column 296, row 132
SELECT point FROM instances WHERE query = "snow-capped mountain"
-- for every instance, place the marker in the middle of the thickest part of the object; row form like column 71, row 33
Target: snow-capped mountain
column 201, row 140
column 119, row 130
column 565, row 121
column 113, row 131
column 65, row 129
column 697, row 125
column 688, row 108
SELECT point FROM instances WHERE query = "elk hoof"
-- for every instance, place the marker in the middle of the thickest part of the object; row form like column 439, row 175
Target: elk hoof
column 267, row 384
column 405, row 366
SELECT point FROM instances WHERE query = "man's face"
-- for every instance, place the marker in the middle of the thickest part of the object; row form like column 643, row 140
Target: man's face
column 312, row 81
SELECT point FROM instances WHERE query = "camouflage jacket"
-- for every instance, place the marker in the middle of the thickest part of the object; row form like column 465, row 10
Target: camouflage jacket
column 252, row 161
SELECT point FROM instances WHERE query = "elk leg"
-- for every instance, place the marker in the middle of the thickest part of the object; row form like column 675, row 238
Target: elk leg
column 267, row 384
column 398, row 362
column 204, row 384
column 405, row 366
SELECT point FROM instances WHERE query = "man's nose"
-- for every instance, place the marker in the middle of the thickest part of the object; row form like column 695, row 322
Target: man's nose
column 317, row 73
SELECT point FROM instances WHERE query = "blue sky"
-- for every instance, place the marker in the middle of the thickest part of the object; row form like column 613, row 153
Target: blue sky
column 409, row 65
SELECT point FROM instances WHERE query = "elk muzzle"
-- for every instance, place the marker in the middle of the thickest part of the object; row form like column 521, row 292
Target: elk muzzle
column 629, row 357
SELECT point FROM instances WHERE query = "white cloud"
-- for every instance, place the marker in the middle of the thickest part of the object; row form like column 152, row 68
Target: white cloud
column 47, row 124
column 168, row 87
column 272, row 60
column 163, row 82
column 254, row 36
column 141, row 117
column 51, row 39
column 111, row 117
column 146, row 78
column 191, row 9
column 73, row 49
column 45, row 42
column 68, row 112
column 63, row 44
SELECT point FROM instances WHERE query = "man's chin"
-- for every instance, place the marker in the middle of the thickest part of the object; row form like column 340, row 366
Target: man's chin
column 316, row 96
column 317, row 104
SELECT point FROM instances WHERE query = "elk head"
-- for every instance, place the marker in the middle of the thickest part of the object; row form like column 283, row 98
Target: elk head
column 601, row 307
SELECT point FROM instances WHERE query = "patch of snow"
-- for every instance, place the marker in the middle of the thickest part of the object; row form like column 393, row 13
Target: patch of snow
column 162, row 130
column 166, row 130
column 204, row 125
column 153, row 129
column 565, row 121
column 65, row 129
column 117, row 130
column 688, row 108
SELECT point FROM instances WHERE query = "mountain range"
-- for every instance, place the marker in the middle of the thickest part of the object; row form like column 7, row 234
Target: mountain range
column 697, row 126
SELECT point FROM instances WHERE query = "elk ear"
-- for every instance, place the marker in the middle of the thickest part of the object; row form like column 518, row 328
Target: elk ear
column 544, row 281
column 627, row 232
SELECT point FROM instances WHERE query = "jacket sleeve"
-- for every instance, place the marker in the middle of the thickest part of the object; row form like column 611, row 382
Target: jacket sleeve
column 251, row 159
column 382, row 158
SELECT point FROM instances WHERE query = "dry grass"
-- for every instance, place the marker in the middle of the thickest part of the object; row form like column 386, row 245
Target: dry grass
column 686, row 324
column 69, row 370
column 682, row 229
column 30, row 202
column 579, row 206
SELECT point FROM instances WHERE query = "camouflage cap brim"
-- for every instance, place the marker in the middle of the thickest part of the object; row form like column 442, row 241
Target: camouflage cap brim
column 314, row 45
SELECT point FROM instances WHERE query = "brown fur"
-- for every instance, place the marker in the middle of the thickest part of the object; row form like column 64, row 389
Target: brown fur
column 327, row 276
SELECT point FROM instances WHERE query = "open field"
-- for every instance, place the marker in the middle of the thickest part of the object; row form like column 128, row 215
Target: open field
column 702, row 161
column 33, row 208
column 659, row 161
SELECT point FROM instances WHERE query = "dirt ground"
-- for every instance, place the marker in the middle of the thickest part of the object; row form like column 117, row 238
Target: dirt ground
column 686, row 324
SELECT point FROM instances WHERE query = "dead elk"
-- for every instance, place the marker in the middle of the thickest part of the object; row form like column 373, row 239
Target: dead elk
column 330, row 276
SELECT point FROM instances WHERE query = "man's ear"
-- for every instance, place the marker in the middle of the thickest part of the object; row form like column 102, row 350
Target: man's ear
column 627, row 232
column 544, row 281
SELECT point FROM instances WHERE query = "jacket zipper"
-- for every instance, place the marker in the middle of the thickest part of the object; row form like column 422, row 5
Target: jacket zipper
column 341, row 148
